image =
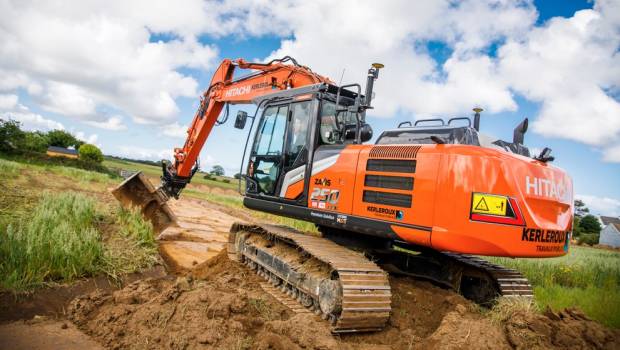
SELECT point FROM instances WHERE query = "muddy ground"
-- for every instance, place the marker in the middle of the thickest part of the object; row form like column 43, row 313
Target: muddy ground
column 221, row 305
column 211, row 302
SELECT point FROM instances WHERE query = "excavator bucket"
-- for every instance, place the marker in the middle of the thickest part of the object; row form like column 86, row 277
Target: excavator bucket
column 137, row 191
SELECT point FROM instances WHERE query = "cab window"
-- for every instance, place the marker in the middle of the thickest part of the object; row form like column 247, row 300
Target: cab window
column 267, row 155
column 330, row 127
column 298, row 131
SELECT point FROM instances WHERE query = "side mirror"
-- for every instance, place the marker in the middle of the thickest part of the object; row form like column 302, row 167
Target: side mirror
column 242, row 117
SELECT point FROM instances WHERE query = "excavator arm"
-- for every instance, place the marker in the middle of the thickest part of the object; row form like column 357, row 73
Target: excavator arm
column 266, row 78
column 274, row 75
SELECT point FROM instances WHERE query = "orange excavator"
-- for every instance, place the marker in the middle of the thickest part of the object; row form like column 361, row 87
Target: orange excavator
column 424, row 200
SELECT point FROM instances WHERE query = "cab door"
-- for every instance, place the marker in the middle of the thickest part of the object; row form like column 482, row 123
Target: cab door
column 266, row 159
column 296, row 150
column 280, row 153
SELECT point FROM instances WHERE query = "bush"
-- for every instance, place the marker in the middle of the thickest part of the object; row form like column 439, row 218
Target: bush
column 588, row 238
column 90, row 153
column 217, row 170
column 61, row 138
column 11, row 136
column 590, row 223
column 226, row 181
column 35, row 142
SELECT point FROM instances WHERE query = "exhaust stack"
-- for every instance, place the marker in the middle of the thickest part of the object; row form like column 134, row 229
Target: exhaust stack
column 477, row 110
column 518, row 135
column 373, row 74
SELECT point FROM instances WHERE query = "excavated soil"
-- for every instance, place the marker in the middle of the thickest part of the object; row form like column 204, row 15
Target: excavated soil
column 221, row 305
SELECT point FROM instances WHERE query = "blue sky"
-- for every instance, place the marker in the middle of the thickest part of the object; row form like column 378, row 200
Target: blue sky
column 443, row 72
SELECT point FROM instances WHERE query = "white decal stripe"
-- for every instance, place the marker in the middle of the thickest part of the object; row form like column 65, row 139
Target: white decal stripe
column 291, row 177
column 298, row 173
column 323, row 164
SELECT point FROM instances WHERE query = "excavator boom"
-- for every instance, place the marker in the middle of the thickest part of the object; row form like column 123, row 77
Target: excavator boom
column 266, row 79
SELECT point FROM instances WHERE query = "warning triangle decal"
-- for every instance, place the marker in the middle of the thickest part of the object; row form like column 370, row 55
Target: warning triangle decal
column 482, row 205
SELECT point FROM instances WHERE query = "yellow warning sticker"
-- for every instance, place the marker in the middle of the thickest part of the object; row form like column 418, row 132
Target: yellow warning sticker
column 489, row 204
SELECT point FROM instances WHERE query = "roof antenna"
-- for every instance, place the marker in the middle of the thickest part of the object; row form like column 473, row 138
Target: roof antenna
column 342, row 76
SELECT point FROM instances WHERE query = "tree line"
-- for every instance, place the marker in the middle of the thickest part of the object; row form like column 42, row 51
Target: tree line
column 15, row 140
column 586, row 227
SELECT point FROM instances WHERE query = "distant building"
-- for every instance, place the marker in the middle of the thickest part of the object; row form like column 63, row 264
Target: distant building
column 610, row 234
column 54, row 151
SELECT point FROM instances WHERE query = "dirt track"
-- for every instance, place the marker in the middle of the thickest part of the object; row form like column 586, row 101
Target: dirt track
column 214, row 303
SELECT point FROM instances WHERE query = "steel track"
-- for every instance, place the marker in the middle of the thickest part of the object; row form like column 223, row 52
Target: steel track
column 359, row 297
column 362, row 297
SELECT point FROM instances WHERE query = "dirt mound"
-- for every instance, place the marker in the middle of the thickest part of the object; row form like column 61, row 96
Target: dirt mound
column 225, row 309
column 221, row 305
column 53, row 301
column 568, row 329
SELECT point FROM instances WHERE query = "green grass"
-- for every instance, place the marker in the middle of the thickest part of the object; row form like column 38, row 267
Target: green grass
column 134, row 247
column 58, row 241
column 9, row 168
column 588, row 278
column 15, row 166
column 155, row 171
column 83, row 176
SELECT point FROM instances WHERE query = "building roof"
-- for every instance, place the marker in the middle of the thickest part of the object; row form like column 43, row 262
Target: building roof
column 606, row 220
column 62, row 150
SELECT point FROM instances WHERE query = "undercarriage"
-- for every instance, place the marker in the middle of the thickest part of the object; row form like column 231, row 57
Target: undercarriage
column 347, row 284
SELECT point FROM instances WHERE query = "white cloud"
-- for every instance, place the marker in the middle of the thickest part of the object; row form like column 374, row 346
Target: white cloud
column 79, row 58
column 112, row 123
column 567, row 65
column 8, row 101
column 68, row 99
column 601, row 205
column 174, row 130
column 612, row 154
column 32, row 121
column 144, row 153
column 82, row 59
column 395, row 34
column 91, row 139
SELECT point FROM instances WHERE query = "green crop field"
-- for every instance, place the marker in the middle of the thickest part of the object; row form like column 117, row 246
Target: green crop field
column 155, row 172
column 588, row 278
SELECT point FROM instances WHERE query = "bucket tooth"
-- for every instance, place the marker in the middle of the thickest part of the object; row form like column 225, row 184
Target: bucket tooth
column 137, row 191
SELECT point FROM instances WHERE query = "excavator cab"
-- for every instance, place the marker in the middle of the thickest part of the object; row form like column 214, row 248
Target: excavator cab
column 292, row 125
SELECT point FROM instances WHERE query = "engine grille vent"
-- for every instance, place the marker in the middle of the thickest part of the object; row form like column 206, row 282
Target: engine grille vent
column 399, row 152
column 393, row 182
column 386, row 198
column 391, row 165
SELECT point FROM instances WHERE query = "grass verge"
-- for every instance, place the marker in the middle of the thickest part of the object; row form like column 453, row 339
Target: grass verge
column 588, row 278
column 133, row 247
column 58, row 241
column 61, row 240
